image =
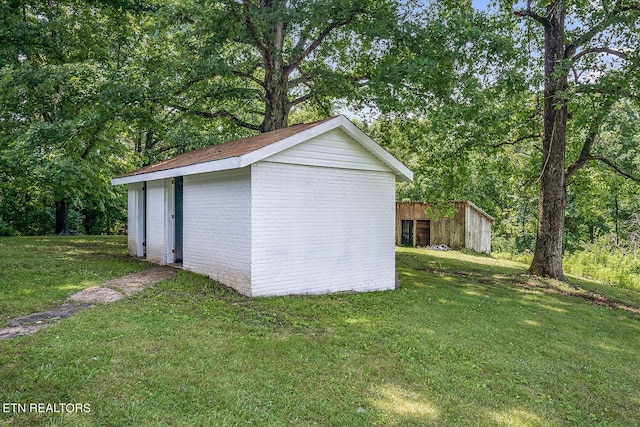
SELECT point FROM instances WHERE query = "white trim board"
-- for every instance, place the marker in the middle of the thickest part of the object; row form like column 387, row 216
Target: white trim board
column 402, row 172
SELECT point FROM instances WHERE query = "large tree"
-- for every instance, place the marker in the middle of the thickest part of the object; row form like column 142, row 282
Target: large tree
column 82, row 80
column 591, row 61
column 252, row 62
column 63, row 88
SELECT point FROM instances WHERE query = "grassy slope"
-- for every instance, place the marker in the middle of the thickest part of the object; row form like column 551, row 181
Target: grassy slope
column 442, row 350
column 625, row 287
column 38, row 272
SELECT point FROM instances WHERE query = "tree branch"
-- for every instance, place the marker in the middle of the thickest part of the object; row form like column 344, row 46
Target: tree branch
column 250, row 77
column 617, row 90
column 92, row 140
column 599, row 27
column 585, row 152
column 221, row 113
column 254, row 31
column 299, row 81
column 297, row 59
column 570, row 49
column 576, row 75
column 616, row 168
column 360, row 81
column 599, row 50
column 528, row 13
column 303, row 39
column 516, row 141
column 302, row 99
column 635, row 7
column 586, row 156
column 187, row 85
column 527, row 182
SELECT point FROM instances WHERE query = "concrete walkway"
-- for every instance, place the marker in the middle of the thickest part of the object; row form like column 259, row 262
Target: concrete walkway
column 109, row 291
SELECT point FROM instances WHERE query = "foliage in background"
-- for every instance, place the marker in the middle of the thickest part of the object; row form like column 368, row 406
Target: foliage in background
column 607, row 261
column 64, row 92
column 485, row 146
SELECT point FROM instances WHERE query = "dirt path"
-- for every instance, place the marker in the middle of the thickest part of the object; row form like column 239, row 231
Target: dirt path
column 109, row 291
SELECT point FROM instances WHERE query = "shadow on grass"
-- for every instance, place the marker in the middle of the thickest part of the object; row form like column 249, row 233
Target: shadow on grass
column 462, row 268
column 39, row 272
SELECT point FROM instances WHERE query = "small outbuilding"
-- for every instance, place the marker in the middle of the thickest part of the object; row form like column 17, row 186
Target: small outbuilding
column 304, row 210
column 469, row 227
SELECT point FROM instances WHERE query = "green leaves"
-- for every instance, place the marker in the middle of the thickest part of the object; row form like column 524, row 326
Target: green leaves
column 62, row 103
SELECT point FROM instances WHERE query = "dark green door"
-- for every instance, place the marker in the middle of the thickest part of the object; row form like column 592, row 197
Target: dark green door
column 178, row 219
column 144, row 219
column 407, row 232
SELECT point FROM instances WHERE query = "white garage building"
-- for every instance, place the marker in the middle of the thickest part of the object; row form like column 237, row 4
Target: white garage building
column 306, row 209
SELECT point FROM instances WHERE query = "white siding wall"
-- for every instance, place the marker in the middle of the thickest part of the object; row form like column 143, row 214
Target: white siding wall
column 319, row 230
column 156, row 222
column 332, row 149
column 135, row 225
column 217, row 225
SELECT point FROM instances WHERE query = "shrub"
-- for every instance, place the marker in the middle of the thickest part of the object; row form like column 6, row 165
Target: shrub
column 6, row 229
column 605, row 261
column 40, row 222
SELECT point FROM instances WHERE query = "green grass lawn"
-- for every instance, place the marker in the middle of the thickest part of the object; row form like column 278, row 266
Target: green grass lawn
column 625, row 287
column 38, row 272
column 466, row 340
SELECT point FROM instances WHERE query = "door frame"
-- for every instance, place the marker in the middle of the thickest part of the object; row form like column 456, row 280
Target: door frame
column 407, row 238
column 178, row 223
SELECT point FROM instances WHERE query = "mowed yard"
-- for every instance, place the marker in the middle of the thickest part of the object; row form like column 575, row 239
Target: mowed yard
column 466, row 340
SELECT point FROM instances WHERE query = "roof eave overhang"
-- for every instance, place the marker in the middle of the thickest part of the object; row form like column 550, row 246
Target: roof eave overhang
column 213, row 166
column 402, row 172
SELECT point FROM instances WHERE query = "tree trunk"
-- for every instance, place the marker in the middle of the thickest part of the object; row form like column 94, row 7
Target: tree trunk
column 615, row 217
column 276, row 113
column 547, row 260
column 90, row 220
column 276, row 82
column 62, row 218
